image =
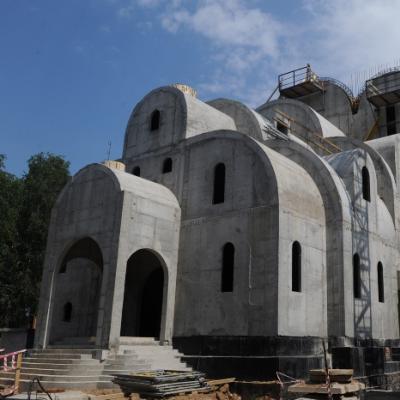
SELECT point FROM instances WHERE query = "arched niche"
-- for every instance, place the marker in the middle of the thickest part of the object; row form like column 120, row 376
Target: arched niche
column 75, row 302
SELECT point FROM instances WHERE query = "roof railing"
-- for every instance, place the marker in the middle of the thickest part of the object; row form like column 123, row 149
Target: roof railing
column 296, row 77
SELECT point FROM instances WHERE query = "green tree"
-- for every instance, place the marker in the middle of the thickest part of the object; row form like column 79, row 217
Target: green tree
column 47, row 175
column 10, row 201
column 25, row 208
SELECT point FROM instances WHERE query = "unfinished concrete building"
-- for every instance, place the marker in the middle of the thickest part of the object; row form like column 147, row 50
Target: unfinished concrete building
column 241, row 237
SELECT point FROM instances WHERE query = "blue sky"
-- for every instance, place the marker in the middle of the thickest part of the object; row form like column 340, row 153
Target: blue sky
column 71, row 71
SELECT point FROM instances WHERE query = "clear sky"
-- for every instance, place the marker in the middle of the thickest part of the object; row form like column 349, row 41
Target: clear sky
column 71, row 71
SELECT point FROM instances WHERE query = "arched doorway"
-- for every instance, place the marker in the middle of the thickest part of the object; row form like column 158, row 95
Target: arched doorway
column 143, row 295
column 76, row 294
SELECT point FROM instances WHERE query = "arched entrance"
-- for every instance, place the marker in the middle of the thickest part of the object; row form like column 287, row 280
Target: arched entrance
column 143, row 295
column 76, row 294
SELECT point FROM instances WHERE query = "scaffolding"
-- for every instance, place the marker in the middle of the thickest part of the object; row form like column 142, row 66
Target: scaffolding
column 299, row 82
column 384, row 90
column 314, row 139
column 360, row 228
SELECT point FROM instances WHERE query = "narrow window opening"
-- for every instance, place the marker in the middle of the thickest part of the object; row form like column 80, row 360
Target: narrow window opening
column 155, row 120
column 356, row 276
column 282, row 127
column 296, row 267
column 228, row 261
column 381, row 288
column 167, row 166
column 366, row 184
column 63, row 268
column 219, row 184
column 390, row 120
column 136, row 171
column 67, row 312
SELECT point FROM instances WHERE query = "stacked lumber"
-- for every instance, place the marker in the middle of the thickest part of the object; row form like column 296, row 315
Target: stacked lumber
column 161, row 383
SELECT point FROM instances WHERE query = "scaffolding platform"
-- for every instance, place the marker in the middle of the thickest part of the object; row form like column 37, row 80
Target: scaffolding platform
column 384, row 90
column 299, row 82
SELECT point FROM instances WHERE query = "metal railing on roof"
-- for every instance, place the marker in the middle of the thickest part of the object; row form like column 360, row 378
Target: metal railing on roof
column 354, row 100
column 297, row 76
column 346, row 89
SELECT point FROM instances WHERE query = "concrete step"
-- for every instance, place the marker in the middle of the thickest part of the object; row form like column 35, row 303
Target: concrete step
column 46, row 365
column 168, row 365
column 74, row 368
column 127, row 364
column 74, row 340
column 144, row 347
column 135, row 341
column 68, row 385
column 63, row 371
column 69, row 350
column 54, row 378
column 43, row 360
column 150, row 354
column 77, row 346
column 125, row 371
column 124, row 356
column 76, row 356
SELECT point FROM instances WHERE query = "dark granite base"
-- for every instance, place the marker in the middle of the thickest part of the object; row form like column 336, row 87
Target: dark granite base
column 249, row 345
column 259, row 358
column 253, row 368
column 251, row 358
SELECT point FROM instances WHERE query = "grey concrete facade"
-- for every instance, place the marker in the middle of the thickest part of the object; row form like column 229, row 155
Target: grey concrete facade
column 309, row 217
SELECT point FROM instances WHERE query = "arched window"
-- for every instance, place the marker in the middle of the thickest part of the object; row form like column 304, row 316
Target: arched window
column 228, row 262
column 167, row 165
column 366, row 184
column 136, row 171
column 356, row 276
column 67, row 312
column 219, row 184
column 155, row 120
column 381, row 287
column 296, row 267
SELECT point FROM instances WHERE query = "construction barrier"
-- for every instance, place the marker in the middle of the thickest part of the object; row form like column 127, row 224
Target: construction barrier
column 12, row 362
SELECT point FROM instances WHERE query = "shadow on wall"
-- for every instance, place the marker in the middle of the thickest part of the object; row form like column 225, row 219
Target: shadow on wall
column 16, row 339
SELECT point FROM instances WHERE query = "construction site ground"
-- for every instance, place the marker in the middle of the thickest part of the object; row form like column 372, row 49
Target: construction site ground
column 223, row 392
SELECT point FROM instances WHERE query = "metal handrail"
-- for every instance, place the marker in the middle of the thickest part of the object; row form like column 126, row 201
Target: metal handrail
column 296, row 76
column 347, row 90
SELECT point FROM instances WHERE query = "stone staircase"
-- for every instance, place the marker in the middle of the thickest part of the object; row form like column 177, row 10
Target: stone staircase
column 144, row 353
column 77, row 368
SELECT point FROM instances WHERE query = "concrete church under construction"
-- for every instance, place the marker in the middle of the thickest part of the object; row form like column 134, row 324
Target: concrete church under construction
column 240, row 237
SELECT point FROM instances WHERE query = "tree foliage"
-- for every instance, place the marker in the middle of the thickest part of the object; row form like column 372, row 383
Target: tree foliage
column 25, row 208
column 10, row 198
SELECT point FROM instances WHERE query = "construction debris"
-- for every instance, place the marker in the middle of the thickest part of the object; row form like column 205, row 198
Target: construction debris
column 161, row 383
column 339, row 386
column 218, row 392
column 335, row 375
